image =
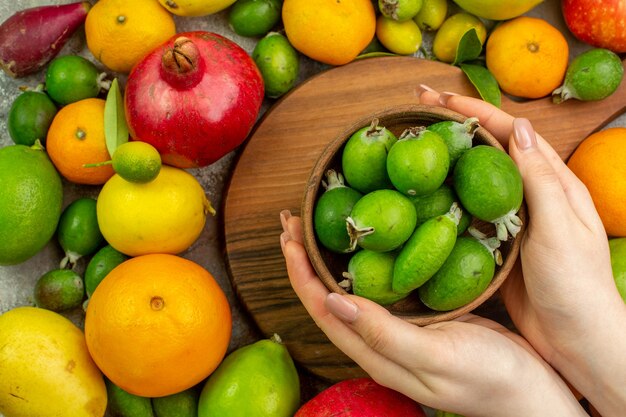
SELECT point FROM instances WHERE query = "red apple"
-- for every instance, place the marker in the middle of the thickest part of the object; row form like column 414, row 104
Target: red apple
column 600, row 23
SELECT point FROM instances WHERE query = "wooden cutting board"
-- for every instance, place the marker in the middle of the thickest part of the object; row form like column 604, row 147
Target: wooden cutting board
column 272, row 170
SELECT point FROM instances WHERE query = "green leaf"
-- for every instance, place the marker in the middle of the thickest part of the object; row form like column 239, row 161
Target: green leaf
column 484, row 82
column 469, row 47
column 115, row 127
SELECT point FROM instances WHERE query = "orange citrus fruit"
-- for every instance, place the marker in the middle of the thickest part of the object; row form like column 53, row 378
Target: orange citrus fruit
column 329, row 31
column 76, row 138
column 599, row 162
column 527, row 56
column 120, row 32
column 157, row 325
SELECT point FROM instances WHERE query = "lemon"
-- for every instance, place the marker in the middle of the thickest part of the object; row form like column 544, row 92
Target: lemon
column 31, row 197
column 45, row 368
column 163, row 216
column 137, row 161
column 449, row 35
column 403, row 38
column 195, row 7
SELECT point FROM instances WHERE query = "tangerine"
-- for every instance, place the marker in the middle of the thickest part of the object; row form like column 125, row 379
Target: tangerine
column 138, row 26
column 330, row 31
column 157, row 325
column 76, row 138
column 527, row 56
column 599, row 162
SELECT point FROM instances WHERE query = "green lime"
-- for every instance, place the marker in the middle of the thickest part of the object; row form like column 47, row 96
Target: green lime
column 278, row 62
column 78, row 231
column 592, row 75
column 257, row 380
column 254, row 17
column 465, row 275
column 31, row 199
column 124, row 404
column 432, row 14
column 402, row 38
column 59, row 289
column 137, row 161
column 399, row 10
column 618, row 264
column 103, row 262
column 71, row 78
column 30, row 117
column 182, row 404
column 371, row 275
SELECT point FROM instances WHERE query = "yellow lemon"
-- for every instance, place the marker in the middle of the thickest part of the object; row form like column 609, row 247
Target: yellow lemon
column 165, row 215
column 45, row 367
column 195, row 7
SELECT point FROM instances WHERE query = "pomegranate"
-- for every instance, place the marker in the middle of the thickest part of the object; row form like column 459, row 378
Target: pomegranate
column 360, row 397
column 195, row 98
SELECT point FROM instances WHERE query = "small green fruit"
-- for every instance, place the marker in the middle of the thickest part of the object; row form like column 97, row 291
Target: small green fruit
column 432, row 15
column 78, row 231
column 30, row 117
column 125, row 404
column 278, row 62
column 254, row 18
column 182, row 404
column 59, row 290
column 399, row 10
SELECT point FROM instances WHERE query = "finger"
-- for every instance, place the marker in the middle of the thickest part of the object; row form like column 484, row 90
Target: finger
column 496, row 121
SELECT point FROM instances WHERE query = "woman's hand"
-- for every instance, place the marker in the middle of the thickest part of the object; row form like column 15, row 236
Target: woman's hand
column 566, row 305
column 472, row 366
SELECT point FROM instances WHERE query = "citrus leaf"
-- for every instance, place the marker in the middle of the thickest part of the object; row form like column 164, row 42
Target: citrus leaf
column 469, row 47
column 484, row 82
column 115, row 127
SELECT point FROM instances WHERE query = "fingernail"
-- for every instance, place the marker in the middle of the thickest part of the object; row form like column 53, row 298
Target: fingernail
column 423, row 88
column 444, row 97
column 524, row 134
column 341, row 307
column 284, row 238
column 284, row 216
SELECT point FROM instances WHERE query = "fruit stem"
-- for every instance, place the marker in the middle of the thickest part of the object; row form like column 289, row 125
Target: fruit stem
column 181, row 65
column 102, row 83
column 509, row 223
column 37, row 146
column 356, row 233
column 561, row 94
column 471, row 125
column 334, row 180
column 455, row 213
column 208, row 207
column 412, row 132
column 491, row 243
column 346, row 284
column 98, row 164
column 69, row 260
column 374, row 129
column 276, row 339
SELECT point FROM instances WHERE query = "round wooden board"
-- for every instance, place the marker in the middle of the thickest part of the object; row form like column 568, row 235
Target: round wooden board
column 274, row 164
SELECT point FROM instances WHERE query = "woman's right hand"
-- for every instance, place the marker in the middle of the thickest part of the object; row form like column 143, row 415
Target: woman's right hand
column 566, row 304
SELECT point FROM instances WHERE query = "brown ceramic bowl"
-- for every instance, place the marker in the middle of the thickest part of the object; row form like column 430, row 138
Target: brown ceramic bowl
column 330, row 266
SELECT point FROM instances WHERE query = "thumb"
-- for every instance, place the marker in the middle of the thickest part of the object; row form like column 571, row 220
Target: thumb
column 544, row 194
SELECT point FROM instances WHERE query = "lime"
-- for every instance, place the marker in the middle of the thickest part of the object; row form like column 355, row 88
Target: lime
column 182, row 404
column 449, row 35
column 125, row 404
column 592, row 75
column 103, row 262
column 31, row 199
column 403, row 38
column 137, row 161
column 71, row 78
column 278, row 62
column 254, row 17
column 30, row 117
column 618, row 264
column 78, row 231
column 59, row 289
column 432, row 14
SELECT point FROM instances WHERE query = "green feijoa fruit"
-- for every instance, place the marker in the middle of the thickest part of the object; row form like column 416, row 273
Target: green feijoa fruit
column 370, row 275
column 425, row 251
column 78, row 231
column 592, row 75
column 457, row 136
column 103, row 262
column 331, row 211
column 418, row 162
column 617, row 247
column 432, row 14
column 381, row 221
column 121, row 403
column 29, row 117
column 59, row 290
column 182, row 404
column 489, row 186
column 278, row 62
column 70, row 78
column 463, row 277
column 31, row 199
column 399, row 10
column 254, row 18
column 364, row 158
column 434, row 204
